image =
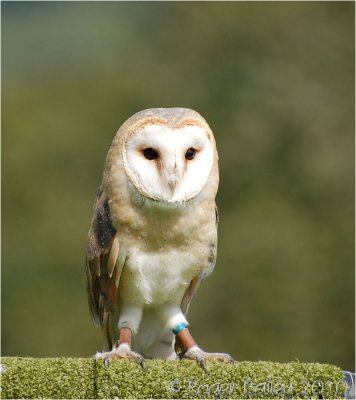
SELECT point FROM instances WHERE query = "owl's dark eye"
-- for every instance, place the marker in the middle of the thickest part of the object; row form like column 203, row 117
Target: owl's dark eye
column 190, row 154
column 150, row 154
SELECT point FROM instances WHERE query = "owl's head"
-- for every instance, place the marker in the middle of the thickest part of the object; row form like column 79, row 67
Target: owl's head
column 167, row 154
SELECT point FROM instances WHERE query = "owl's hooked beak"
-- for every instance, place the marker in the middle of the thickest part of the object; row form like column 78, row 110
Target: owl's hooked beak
column 173, row 180
column 173, row 175
column 172, row 184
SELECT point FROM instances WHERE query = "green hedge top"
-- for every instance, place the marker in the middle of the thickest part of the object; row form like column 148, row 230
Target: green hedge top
column 85, row 378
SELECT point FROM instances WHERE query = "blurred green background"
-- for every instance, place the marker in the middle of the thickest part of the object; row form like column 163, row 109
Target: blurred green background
column 275, row 82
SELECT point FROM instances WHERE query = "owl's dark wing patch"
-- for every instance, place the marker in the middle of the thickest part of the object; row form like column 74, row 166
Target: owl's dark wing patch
column 101, row 256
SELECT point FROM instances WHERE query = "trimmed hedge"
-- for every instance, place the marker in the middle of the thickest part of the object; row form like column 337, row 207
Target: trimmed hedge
column 79, row 378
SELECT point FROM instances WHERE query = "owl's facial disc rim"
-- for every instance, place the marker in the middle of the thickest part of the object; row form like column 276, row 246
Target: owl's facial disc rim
column 135, row 181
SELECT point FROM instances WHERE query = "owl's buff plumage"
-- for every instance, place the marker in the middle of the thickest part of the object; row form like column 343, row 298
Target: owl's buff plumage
column 152, row 241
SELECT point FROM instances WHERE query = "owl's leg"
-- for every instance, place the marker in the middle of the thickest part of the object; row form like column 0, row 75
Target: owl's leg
column 177, row 322
column 191, row 351
column 128, row 323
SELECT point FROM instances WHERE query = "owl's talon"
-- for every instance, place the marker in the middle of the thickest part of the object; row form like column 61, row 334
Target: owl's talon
column 121, row 351
column 200, row 356
column 202, row 363
column 143, row 363
column 230, row 360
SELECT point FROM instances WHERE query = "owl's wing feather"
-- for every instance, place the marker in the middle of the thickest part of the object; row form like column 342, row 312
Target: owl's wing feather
column 101, row 257
column 195, row 282
column 189, row 293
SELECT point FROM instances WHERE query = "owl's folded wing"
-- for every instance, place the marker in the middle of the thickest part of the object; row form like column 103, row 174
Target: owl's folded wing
column 101, row 257
column 195, row 283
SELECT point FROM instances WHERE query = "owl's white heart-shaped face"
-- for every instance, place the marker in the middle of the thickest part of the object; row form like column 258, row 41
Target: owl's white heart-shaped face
column 169, row 165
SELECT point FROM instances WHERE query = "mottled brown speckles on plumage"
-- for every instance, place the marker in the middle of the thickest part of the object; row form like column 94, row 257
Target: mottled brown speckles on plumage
column 99, row 282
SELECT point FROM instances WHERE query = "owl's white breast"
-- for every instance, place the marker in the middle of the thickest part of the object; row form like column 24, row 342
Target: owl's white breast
column 155, row 278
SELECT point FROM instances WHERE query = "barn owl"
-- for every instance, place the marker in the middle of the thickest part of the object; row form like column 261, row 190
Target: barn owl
column 153, row 235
